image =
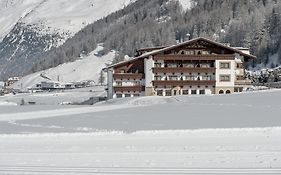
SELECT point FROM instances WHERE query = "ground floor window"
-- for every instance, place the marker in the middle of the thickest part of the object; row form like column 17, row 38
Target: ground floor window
column 136, row 95
column 238, row 89
column 202, row 92
column 127, row 95
column 159, row 92
column 193, row 92
column 185, row 92
column 228, row 92
column 221, row 92
column 119, row 95
column 168, row 93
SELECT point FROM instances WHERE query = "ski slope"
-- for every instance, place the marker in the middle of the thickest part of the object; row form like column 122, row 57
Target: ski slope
column 84, row 69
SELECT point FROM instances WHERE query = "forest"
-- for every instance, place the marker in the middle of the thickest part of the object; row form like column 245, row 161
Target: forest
column 254, row 24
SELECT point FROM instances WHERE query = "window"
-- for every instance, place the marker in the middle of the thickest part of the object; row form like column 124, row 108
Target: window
column 202, row 92
column 190, row 77
column 159, row 92
column 228, row 92
column 119, row 95
column 127, row 95
column 137, row 83
column 157, row 64
column 119, row 83
column 136, row 95
column 193, row 92
column 206, row 77
column 158, row 77
column 173, row 77
column 239, row 66
column 221, row 92
column 168, row 93
column 225, row 78
column 240, row 78
column 175, row 92
column 185, row 92
column 224, row 65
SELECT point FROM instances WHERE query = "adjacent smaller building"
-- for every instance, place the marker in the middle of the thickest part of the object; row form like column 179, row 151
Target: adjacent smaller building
column 195, row 67
column 11, row 81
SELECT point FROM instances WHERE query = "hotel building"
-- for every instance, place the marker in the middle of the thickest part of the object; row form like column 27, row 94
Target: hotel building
column 195, row 67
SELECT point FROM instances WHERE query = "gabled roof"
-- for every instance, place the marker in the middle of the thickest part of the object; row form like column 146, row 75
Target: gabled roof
column 155, row 52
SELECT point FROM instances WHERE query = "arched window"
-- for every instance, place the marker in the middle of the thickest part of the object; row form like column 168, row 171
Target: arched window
column 228, row 92
column 221, row 92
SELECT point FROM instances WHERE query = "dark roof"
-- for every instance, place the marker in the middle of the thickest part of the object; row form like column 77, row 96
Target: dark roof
column 155, row 52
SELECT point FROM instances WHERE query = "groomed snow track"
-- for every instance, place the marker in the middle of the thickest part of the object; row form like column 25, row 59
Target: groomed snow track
column 45, row 170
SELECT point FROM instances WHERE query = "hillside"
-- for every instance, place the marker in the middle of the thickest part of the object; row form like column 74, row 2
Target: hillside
column 254, row 25
column 30, row 28
column 143, row 23
column 87, row 68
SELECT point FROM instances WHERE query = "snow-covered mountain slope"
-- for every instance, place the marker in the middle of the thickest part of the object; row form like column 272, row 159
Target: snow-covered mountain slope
column 31, row 28
column 186, row 4
column 87, row 68
column 11, row 11
column 63, row 16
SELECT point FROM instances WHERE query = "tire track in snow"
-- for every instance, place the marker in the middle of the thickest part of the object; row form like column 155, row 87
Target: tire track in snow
column 12, row 170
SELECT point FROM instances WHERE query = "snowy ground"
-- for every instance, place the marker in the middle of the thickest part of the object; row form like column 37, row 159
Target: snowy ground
column 175, row 135
column 59, row 97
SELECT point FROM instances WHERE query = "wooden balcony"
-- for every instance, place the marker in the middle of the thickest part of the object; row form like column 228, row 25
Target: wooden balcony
column 184, row 83
column 128, row 76
column 183, row 70
column 129, row 88
column 194, row 57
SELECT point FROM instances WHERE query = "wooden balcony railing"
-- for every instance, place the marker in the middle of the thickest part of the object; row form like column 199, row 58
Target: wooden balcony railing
column 184, row 83
column 194, row 57
column 128, row 76
column 129, row 88
column 183, row 70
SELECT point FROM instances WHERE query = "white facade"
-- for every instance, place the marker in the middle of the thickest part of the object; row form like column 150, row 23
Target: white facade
column 225, row 72
column 149, row 75
column 110, row 83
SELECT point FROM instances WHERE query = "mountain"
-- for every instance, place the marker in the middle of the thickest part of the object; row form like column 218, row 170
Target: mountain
column 255, row 24
column 31, row 27
column 241, row 23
